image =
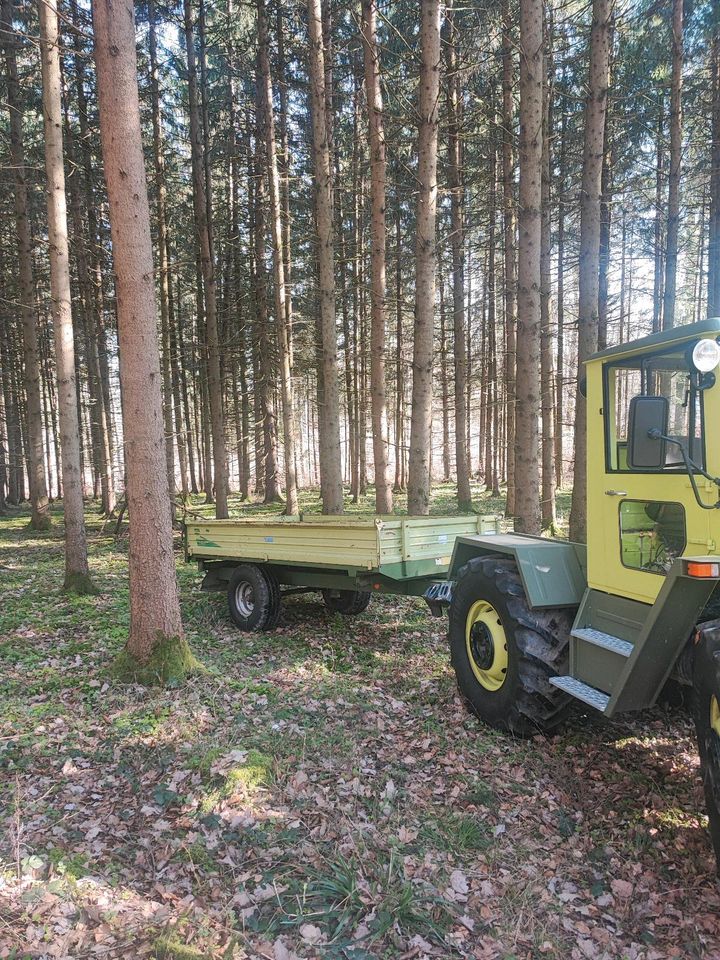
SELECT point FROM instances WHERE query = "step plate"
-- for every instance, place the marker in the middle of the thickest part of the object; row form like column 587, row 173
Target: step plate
column 604, row 640
column 582, row 691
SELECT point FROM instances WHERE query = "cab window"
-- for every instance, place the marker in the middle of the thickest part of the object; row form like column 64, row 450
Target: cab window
column 662, row 374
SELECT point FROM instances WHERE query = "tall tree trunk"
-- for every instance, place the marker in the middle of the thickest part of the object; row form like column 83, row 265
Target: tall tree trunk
column 77, row 577
column 594, row 148
column 399, row 369
column 161, row 213
column 547, row 493
column 659, row 274
column 527, row 494
column 263, row 341
column 673, row 201
column 560, row 354
column 457, row 242
column 284, row 334
column 201, row 205
column 378, row 279
column 329, row 413
column 155, row 646
column 419, row 467
column 510, row 230
column 713, row 254
column 40, row 518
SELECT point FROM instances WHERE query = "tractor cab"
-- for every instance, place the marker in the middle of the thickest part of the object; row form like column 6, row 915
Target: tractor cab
column 652, row 458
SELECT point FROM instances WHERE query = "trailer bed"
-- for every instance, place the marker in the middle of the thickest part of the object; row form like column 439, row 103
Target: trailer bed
column 396, row 548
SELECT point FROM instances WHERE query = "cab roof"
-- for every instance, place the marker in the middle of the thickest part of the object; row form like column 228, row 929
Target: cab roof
column 681, row 334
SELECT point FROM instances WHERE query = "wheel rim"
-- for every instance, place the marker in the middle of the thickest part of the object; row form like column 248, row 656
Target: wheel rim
column 244, row 598
column 486, row 645
column 715, row 715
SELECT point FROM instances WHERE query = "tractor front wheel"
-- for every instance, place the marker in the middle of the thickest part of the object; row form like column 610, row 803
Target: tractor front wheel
column 706, row 684
column 503, row 652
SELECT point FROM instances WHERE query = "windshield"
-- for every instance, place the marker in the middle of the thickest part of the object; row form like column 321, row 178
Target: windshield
column 668, row 375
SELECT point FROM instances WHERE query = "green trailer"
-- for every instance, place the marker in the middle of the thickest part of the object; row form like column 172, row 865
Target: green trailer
column 346, row 560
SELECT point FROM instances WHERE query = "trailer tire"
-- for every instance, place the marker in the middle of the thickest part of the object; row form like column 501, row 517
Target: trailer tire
column 254, row 598
column 347, row 602
column 706, row 690
column 504, row 653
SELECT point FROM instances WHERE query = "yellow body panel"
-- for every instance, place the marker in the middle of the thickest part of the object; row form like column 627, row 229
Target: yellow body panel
column 607, row 490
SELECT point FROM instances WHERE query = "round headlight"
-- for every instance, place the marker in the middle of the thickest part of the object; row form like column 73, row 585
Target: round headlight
column 706, row 355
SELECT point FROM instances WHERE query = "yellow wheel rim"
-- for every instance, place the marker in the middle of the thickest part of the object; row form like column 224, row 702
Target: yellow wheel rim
column 715, row 715
column 486, row 645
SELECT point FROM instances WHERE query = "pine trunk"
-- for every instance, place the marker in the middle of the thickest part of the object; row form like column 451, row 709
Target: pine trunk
column 527, row 493
column 673, row 201
column 282, row 294
column 155, row 639
column 203, row 226
column 589, row 265
column 419, row 466
column 378, row 266
column 457, row 242
column 76, row 560
column 329, row 412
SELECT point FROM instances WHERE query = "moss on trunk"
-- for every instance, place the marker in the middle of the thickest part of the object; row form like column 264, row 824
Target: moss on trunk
column 170, row 662
column 80, row 584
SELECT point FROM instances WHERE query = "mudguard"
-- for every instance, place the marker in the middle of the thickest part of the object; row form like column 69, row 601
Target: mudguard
column 553, row 572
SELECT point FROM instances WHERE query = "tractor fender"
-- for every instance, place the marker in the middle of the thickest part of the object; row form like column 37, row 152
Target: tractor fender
column 553, row 572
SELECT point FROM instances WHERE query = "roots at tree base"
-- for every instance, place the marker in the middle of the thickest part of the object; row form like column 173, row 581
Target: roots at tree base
column 80, row 584
column 170, row 661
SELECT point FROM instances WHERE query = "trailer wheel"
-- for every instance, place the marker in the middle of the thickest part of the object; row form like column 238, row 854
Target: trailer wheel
column 706, row 684
column 254, row 598
column 348, row 602
column 503, row 652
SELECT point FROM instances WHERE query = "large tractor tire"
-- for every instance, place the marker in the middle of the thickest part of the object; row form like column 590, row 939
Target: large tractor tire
column 503, row 652
column 706, row 685
column 347, row 602
column 254, row 598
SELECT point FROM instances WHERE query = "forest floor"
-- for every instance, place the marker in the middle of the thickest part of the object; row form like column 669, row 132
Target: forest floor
column 319, row 792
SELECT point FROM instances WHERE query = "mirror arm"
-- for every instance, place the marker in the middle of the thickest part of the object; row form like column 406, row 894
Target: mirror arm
column 691, row 467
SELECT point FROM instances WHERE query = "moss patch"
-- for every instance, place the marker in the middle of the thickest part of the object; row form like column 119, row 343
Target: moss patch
column 80, row 584
column 170, row 662
column 168, row 948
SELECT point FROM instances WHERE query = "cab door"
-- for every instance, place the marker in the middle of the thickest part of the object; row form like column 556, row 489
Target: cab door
column 645, row 520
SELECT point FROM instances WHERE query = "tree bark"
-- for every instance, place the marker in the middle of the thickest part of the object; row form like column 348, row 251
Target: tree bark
column 510, row 231
column 713, row 253
column 378, row 265
column 457, row 242
column 203, row 228
column 547, row 493
column 40, row 507
column 594, row 148
column 419, row 466
column 76, row 560
column 329, row 413
column 673, row 201
column 162, row 238
column 155, row 636
column 282, row 294
column 527, row 494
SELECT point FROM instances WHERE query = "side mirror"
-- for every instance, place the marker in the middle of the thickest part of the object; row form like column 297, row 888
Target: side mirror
column 648, row 418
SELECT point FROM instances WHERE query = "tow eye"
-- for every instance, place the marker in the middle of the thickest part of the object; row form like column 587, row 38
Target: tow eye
column 438, row 596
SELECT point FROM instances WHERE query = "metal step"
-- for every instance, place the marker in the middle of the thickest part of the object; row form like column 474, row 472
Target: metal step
column 604, row 640
column 582, row 691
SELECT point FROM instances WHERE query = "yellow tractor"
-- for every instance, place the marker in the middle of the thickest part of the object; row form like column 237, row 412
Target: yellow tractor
column 536, row 623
